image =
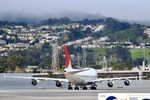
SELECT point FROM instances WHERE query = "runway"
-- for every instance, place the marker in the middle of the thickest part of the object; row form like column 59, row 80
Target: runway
column 18, row 89
column 62, row 94
column 41, row 94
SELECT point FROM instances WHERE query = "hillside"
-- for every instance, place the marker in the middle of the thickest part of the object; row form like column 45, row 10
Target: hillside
column 137, row 53
column 116, row 30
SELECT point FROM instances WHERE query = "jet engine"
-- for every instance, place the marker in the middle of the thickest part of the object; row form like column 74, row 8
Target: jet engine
column 58, row 84
column 110, row 84
column 127, row 82
column 34, row 82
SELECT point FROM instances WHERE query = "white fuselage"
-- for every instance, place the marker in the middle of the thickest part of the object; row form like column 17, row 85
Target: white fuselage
column 81, row 76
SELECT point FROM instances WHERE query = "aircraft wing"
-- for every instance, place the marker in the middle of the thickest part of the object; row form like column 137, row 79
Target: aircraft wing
column 38, row 78
column 112, row 79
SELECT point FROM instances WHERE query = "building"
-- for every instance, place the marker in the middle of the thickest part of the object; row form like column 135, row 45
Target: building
column 147, row 32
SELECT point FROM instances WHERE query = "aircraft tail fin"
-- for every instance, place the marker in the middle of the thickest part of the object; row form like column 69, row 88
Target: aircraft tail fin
column 67, row 58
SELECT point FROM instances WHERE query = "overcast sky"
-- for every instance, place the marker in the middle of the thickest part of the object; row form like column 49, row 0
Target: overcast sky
column 122, row 9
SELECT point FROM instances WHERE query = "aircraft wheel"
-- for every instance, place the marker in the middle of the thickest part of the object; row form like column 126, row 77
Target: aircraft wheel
column 84, row 88
column 93, row 88
column 70, row 88
column 76, row 88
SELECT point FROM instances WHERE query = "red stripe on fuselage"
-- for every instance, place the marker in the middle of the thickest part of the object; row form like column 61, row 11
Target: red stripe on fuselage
column 66, row 56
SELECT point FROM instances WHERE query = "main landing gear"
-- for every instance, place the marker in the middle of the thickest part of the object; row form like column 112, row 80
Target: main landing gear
column 93, row 87
column 84, row 88
column 76, row 87
column 69, row 86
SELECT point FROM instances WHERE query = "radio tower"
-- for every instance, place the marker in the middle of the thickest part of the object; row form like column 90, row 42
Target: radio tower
column 105, row 67
column 84, row 58
column 55, row 57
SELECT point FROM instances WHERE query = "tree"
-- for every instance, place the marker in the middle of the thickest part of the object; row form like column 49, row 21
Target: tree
column 33, row 56
column 76, row 34
column 46, row 47
column 90, row 59
column 119, row 54
column 14, row 61
column 115, row 25
column 139, row 62
column 65, row 20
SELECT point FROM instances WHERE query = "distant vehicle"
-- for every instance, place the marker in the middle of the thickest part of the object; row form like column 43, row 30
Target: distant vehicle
column 80, row 78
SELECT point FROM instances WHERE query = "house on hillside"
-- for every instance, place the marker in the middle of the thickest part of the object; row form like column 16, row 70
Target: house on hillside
column 147, row 32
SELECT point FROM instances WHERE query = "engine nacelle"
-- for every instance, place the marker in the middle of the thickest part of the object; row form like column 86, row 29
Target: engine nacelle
column 34, row 82
column 58, row 84
column 127, row 82
column 110, row 84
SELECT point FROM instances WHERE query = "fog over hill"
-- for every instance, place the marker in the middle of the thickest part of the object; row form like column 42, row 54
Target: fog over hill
column 35, row 18
column 36, row 10
column 29, row 18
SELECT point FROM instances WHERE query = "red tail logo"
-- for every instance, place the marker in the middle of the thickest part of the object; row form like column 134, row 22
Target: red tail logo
column 66, row 56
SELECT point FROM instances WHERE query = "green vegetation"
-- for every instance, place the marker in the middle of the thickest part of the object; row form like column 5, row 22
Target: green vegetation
column 138, row 53
column 21, row 59
column 120, row 58
column 116, row 57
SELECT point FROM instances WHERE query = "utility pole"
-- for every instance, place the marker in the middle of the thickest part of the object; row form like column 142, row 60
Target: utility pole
column 78, row 59
column 55, row 57
column 144, row 57
column 143, row 65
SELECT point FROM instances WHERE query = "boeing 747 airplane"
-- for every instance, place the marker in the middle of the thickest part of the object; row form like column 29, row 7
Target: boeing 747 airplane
column 77, row 78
